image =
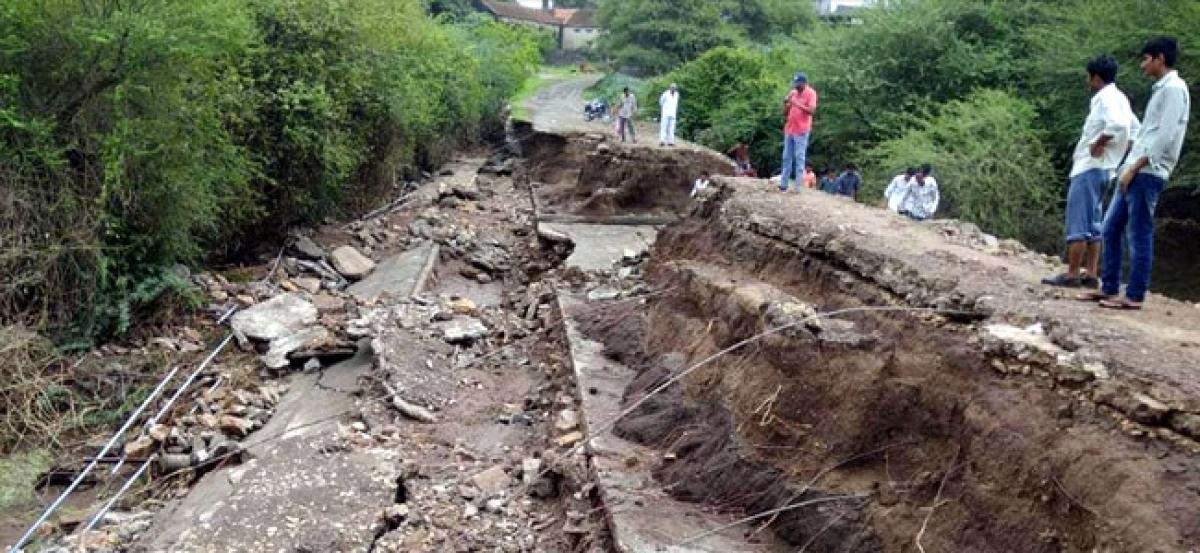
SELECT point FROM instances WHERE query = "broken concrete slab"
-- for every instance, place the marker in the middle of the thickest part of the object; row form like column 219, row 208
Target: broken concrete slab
column 280, row 316
column 307, row 338
column 463, row 330
column 309, row 249
column 642, row 517
column 600, row 247
column 398, row 276
column 351, row 263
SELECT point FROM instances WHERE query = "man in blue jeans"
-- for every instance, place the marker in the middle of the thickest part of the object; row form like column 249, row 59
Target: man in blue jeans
column 1154, row 155
column 1107, row 130
column 798, row 110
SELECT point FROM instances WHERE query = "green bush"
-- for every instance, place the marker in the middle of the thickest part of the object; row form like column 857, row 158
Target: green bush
column 991, row 166
column 134, row 136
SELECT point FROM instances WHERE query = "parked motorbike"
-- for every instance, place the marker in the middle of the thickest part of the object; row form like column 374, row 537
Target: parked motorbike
column 596, row 109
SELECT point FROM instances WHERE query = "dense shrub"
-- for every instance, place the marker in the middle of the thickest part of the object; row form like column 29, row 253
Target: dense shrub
column 137, row 135
column 991, row 166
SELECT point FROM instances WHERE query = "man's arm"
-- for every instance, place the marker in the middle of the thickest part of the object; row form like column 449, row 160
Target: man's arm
column 1159, row 134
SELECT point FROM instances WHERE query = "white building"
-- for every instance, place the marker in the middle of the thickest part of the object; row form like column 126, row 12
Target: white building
column 841, row 7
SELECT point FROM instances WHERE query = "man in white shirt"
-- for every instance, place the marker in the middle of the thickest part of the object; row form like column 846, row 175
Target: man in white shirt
column 1105, row 139
column 898, row 189
column 701, row 184
column 669, row 109
column 1155, row 154
column 923, row 197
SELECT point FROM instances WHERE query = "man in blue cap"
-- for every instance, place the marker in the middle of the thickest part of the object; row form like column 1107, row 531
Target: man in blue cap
column 798, row 111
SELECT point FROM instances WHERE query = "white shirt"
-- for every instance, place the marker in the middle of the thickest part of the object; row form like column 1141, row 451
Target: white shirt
column 922, row 199
column 699, row 185
column 896, row 191
column 1160, row 139
column 1110, row 115
column 669, row 103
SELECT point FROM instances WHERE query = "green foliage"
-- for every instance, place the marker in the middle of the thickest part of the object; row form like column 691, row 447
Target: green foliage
column 612, row 85
column 18, row 476
column 656, row 35
column 991, row 166
column 136, row 135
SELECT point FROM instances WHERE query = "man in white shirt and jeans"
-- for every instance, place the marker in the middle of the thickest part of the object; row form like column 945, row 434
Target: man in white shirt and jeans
column 1106, row 133
column 669, row 104
column 1155, row 154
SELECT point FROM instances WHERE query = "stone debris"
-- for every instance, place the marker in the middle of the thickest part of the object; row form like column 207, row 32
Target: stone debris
column 464, row 331
column 351, row 263
column 280, row 316
column 308, row 249
column 492, row 481
column 307, row 338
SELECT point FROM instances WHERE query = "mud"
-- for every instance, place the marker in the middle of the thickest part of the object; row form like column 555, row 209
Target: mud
column 590, row 174
column 892, row 413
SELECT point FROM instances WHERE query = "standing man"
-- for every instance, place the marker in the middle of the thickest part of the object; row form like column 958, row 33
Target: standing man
column 628, row 110
column 669, row 108
column 1154, row 155
column 922, row 199
column 898, row 189
column 798, row 110
column 849, row 182
column 1105, row 138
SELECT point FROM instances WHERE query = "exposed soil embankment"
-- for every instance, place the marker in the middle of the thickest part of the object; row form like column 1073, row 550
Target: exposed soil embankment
column 591, row 175
column 1017, row 423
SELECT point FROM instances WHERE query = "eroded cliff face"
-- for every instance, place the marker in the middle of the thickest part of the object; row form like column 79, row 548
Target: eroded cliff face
column 946, row 401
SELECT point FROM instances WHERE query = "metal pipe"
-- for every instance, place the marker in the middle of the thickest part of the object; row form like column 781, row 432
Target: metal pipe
column 88, row 469
column 124, row 488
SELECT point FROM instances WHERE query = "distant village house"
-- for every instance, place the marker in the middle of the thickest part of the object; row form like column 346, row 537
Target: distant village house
column 574, row 29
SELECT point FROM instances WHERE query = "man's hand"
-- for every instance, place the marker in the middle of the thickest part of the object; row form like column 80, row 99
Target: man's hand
column 1126, row 178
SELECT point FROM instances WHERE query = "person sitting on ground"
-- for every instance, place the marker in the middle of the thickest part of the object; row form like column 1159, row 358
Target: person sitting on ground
column 849, row 182
column 740, row 153
column 810, row 178
column 1109, row 125
column 700, row 184
column 898, row 189
column 923, row 197
column 828, row 182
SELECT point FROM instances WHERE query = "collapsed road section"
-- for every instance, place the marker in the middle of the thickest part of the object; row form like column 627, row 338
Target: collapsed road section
column 852, row 381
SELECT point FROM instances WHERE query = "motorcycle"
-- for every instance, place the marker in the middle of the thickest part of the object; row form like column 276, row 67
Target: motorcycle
column 596, row 109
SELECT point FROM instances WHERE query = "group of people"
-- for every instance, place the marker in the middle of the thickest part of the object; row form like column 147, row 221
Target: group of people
column 913, row 193
column 1141, row 156
column 668, row 104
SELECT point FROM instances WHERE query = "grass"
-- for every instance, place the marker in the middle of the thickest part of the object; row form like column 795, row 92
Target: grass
column 18, row 474
column 546, row 76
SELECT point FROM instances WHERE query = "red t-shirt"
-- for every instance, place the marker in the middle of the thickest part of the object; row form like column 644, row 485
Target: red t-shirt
column 798, row 120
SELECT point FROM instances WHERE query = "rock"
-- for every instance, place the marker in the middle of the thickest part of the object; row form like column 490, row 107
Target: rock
column 235, row 425
column 462, row 306
column 172, row 462
column 140, row 447
column 492, row 481
column 308, row 249
column 308, row 284
column 280, row 316
column 245, row 300
column 483, row 278
column 395, row 514
column 351, row 263
column 603, row 293
column 309, row 338
column 531, row 468
column 567, row 420
column 568, row 440
column 160, row 432
column 1187, row 424
column 465, row 330
column 326, row 302
column 470, row 510
column 494, row 506
column 1148, row 410
column 208, row 420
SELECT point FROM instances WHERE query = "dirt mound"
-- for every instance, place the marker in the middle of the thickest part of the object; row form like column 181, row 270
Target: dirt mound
column 588, row 174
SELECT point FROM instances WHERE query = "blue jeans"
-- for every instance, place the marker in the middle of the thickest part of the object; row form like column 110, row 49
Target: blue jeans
column 1085, row 206
column 1131, row 216
column 795, row 147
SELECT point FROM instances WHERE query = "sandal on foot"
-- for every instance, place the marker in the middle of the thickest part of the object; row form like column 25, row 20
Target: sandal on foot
column 1123, row 304
column 1095, row 296
column 1062, row 281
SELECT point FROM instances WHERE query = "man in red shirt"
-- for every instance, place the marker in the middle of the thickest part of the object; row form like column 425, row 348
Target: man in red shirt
column 798, row 111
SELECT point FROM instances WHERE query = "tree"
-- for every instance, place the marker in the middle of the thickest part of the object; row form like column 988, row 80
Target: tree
column 656, row 35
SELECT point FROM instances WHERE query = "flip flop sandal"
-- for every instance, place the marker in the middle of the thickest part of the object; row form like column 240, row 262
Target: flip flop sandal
column 1062, row 281
column 1120, row 304
column 1095, row 296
